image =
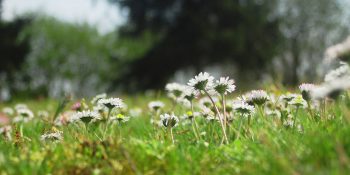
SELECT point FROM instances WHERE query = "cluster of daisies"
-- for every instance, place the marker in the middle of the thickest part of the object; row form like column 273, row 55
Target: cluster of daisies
column 204, row 101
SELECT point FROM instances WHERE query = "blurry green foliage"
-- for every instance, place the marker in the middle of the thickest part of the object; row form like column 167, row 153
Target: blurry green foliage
column 67, row 57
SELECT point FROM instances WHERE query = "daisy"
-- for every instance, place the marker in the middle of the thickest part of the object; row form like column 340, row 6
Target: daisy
column 86, row 116
column 340, row 72
column 175, row 90
column 8, row 111
column 111, row 103
column 331, row 89
column 305, row 89
column 43, row 114
column 224, row 85
column 202, row 82
column 243, row 108
column 288, row 97
column 258, row 97
column 98, row 97
column 169, row 120
column 54, row 136
column 24, row 114
column 6, row 131
column 298, row 101
column 190, row 93
column 120, row 118
column 155, row 105
column 21, row 106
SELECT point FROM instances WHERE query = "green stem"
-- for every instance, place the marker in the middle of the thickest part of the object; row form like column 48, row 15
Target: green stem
column 220, row 118
column 295, row 117
column 194, row 124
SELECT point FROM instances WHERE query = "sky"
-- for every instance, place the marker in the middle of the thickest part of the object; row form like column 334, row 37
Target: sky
column 99, row 13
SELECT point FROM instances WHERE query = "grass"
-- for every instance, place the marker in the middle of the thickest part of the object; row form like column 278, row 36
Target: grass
column 138, row 147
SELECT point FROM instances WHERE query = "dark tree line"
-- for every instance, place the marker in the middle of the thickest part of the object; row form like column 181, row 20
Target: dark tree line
column 195, row 33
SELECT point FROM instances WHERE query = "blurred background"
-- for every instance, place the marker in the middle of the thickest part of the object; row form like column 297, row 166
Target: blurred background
column 49, row 48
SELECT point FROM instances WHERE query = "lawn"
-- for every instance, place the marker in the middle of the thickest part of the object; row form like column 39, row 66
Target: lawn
column 282, row 134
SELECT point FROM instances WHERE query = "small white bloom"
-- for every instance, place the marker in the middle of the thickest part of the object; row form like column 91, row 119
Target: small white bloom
column 120, row 118
column 190, row 93
column 289, row 121
column 43, row 114
column 98, row 97
column 337, row 50
column 331, row 89
column 155, row 105
column 205, row 102
column 298, row 101
column 8, row 111
column 306, row 87
column 86, row 116
column 243, row 108
column 288, row 96
column 111, row 103
column 202, row 81
column 169, row 120
column 258, row 97
column 6, row 131
column 340, row 72
column 21, row 106
column 54, row 136
column 175, row 90
column 224, row 85
column 135, row 112
column 23, row 115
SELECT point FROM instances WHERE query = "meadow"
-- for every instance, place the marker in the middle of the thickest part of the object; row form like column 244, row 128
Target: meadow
column 204, row 127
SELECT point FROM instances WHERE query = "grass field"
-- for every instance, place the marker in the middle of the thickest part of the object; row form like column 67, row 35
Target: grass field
column 279, row 138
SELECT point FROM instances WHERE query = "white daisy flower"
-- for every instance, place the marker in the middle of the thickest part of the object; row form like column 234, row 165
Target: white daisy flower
column 135, row 112
column 224, row 85
column 298, row 101
column 6, row 131
column 64, row 118
column 98, row 97
column 175, row 90
column 169, row 120
column 155, row 105
column 43, row 114
column 338, row 50
column 340, row 72
column 202, row 82
column 23, row 115
column 21, row 106
column 120, row 118
column 258, row 97
column 289, row 122
column 8, row 111
column 205, row 102
column 331, row 89
column 53, row 136
column 111, row 103
column 243, row 108
column 288, row 96
column 86, row 116
column 306, row 89
column 190, row 93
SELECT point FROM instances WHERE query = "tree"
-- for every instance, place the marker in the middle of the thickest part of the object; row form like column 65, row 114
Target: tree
column 196, row 33
column 309, row 27
column 0, row 10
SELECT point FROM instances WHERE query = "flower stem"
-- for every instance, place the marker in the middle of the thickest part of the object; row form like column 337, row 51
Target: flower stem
column 219, row 115
column 194, row 124
column 224, row 110
column 295, row 117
